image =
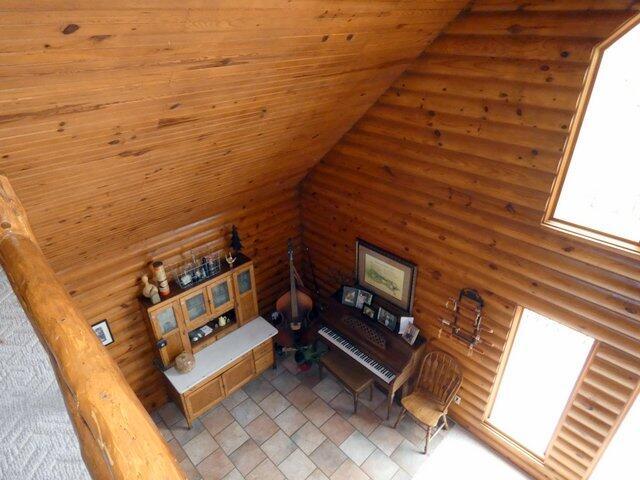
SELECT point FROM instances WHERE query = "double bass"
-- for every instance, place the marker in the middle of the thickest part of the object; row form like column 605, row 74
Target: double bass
column 295, row 305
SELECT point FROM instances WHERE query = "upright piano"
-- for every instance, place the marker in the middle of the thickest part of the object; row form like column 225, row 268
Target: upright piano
column 391, row 360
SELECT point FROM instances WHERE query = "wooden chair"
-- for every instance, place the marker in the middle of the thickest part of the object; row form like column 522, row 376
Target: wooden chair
column 438, row 382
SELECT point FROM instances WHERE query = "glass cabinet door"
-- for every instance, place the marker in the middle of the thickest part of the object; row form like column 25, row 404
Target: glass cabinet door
column 165, row 321
column 244, row 281
column 246, row 298
column 195, row 306
column 220, row 294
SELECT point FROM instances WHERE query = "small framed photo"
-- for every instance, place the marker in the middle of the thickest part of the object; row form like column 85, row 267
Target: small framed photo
column 103, row 333
column 349, row 296
column 410, row 334
column 364, row 298
column 368, row 311
column 387, row 318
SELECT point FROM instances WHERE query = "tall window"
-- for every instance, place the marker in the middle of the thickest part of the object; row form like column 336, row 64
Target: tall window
column 598, row 191
column 543, row 367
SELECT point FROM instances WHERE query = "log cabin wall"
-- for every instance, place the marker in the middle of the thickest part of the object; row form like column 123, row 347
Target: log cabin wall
column 134, row 130
column 452, row 168
column 109, row 288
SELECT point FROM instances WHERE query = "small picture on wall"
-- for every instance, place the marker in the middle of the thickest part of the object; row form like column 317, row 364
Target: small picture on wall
column 388, row 319
column 364, row 298
column 368, row 311
column 103, row 333
column 349, row 296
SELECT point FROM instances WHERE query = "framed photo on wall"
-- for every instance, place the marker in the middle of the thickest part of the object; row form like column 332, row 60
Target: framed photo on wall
column 103, row 332
column 386, row 275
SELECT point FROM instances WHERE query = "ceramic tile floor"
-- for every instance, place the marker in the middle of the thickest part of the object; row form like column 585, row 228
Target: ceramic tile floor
column 290, row 425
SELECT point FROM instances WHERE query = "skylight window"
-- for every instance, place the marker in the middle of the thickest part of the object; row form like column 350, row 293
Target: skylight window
column 598, row 191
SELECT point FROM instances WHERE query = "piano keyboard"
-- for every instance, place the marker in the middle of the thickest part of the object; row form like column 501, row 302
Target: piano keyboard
column 362, row 358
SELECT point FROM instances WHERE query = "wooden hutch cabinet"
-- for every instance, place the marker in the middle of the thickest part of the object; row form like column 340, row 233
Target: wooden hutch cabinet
column 227, row 356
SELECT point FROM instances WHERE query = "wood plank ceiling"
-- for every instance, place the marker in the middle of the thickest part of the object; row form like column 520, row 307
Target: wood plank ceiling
column 125, row 119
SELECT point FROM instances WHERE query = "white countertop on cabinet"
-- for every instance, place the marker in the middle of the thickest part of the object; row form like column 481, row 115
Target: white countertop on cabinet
column 221, row 353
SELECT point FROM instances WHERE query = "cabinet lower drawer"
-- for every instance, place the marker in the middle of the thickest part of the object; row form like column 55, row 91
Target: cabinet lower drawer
column 238, row 375
column 263, row 348
column 204, row 397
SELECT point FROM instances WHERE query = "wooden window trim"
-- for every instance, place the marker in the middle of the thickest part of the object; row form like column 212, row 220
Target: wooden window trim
column 610, row 242
column 509, row 441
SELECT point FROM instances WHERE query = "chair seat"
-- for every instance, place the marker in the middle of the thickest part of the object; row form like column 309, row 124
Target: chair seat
column 421, row 405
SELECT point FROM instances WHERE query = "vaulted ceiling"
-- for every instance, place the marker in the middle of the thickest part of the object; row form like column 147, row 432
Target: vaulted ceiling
column 123, row 119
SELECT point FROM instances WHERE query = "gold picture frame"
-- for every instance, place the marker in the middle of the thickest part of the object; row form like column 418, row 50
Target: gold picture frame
column 386, row 275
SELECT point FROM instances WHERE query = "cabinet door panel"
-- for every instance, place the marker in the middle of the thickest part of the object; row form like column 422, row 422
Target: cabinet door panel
column 173, row 349
column 195, row 307
column 238, row 375
column 246, row 298
column 166, row 324
column 165, row 321
column 204, row 397
column 221, row 296
column 244, row 281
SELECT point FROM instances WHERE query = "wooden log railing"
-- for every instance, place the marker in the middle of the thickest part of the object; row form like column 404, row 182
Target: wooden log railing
column 118, row 439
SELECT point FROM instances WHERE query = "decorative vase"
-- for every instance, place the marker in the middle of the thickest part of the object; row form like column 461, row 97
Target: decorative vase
column 185, row 362
column 161, row 278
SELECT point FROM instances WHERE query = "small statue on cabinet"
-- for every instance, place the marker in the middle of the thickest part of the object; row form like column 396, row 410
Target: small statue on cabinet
column 230, row 259
column 149, row 290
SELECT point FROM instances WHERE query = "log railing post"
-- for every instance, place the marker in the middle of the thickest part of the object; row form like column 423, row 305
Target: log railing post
column 118, row 439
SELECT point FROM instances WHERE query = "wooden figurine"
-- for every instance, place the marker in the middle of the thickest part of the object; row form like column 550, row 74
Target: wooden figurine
column 149, row 290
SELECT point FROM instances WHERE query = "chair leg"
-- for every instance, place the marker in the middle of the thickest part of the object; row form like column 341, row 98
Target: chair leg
column 371, row 392
column 404, row 410
column 355, row 403
column 426, row 442
column 389, row 402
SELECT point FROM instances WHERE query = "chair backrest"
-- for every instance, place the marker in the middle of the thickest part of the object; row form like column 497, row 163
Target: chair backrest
column 440, row 375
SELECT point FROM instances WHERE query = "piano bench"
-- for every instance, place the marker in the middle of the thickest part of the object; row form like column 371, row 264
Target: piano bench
column 350, row 373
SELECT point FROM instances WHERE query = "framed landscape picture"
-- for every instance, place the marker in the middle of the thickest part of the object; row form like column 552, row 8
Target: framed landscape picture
column 385, row 274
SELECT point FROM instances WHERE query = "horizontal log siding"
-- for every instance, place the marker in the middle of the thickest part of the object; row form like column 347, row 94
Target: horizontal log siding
column 109, row 289
column 452, row 168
